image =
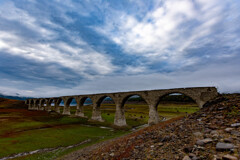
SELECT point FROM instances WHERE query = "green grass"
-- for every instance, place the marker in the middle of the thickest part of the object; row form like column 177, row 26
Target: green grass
column 62, row 152
column 49, row 137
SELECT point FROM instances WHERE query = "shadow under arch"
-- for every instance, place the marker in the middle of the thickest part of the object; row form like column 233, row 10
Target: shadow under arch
column 51, row 104
column 72, row 103
column 174, row 104
column 107, row 107
column 85, row 107
column 42, row 104
column 136, row 110
column 35, row 104
column 59, row 105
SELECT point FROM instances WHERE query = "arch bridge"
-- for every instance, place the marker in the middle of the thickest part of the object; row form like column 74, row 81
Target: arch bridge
column 152, row 97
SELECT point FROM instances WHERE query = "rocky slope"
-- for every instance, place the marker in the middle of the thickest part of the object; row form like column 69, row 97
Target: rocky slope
column 212, row 133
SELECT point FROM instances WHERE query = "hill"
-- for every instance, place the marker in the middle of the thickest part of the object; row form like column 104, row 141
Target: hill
column 211, row 133
column 14, row 97
column 11, row 103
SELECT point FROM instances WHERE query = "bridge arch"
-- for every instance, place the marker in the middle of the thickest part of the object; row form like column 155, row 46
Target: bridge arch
column 59, row 105
column 121, row 117
column 110, row 108
column 175, row 92
column 41, row 104
column 36, row 104
column 83, row 99
column 84, row 110
column 51, row 103
column 72, row 104
column 102, row 98
column 30, row 104
column 126, row 97
column 154, row 117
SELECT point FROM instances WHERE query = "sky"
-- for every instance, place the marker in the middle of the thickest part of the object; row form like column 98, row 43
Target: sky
column 70, row 47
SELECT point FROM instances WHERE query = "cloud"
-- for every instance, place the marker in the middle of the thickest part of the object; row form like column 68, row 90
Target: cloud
column 210, row 75
column 78, row 47
column 47, row 48
column 167, row 32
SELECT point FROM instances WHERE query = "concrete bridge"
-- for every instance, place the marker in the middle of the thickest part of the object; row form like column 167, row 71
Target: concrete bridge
column 152, row 97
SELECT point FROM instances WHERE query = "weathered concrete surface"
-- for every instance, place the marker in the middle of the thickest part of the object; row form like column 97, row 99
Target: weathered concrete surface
column 120, row 119
column 152, row 97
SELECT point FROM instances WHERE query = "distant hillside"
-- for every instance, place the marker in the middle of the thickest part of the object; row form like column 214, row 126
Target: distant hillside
column 167, row 98
column 11, row 103
column 14, row 97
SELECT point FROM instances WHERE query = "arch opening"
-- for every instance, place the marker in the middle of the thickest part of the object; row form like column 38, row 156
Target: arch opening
column 41, row 104
column 175, row 104
column 87, row 104
column 108, row 108
column 52, row 102
column 60, row 104
column 37, row 104
column 72, row 103
column 32, row 102
column 44, row 103
column 136, row 110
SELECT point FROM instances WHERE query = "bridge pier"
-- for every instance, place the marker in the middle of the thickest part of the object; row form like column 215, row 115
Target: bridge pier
column 153, row 115
column 96, row 113
column 41, row 107
column 48, row 106
column 66, row 109
column 79, row 110
column 200, row 103
column 35, row 105
column 119, row 119
column 30, row 106
column 56, row 107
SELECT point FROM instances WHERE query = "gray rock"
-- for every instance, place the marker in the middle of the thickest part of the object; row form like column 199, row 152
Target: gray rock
column 228, row 129
column 186, row 158
column 229, row 157
column 228, row 140
column 235, row 125
column 207, row 140
column 204, row 141
column 207, row 130
column 112, row 154
column 193, row 156
column 200, row 142
column 236, row 133
column 197, row 134
column 224, row 146
column 214, row 132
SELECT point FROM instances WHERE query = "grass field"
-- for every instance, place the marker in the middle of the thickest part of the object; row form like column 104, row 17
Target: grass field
column 137, row 114
column 22, row 130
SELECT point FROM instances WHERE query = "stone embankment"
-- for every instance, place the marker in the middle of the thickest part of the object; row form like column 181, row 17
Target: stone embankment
column 213, row 133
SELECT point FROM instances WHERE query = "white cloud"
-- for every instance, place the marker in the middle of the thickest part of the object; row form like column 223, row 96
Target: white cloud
column 209, row 75
column 77, row 59
column 10, row 12
column 136, row 69
column 81, row 58
column 159, row 35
